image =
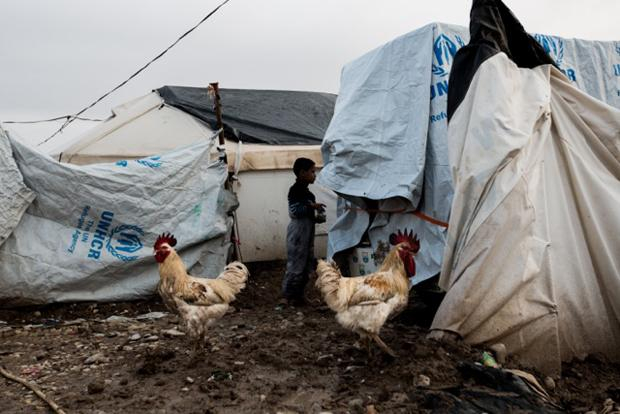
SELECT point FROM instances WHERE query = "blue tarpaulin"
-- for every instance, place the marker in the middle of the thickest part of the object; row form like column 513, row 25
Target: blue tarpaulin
column 387, row 140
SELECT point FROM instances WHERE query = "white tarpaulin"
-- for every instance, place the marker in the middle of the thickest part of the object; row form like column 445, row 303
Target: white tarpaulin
column 531, row 259
column 15, row 197
column 89, row 233
column 150, row 125
column 387, row 140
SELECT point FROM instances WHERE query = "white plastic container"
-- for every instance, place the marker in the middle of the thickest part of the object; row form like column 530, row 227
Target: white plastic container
column 362, row 261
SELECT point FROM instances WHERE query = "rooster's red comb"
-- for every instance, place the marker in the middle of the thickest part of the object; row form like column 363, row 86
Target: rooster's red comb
column 165, row 238
column 410, row 238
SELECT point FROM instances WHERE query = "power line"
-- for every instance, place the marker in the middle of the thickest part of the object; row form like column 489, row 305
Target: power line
column 71, row 118
column 58, row 118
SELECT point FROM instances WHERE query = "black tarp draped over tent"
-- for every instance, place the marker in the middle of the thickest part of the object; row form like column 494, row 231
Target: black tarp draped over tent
column 259, row 116
column 493, row 29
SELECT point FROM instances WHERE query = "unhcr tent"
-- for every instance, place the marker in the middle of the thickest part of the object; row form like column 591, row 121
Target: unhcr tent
column 386, row 148
column 265, row 132
column 82, row 233
column 531, row 259
column 174, row 116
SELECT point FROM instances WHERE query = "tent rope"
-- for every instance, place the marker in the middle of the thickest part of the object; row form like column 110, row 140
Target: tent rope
column 416, row 213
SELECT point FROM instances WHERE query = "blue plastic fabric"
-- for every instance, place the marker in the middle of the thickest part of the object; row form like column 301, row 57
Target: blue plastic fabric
column 387, row 140
column 89, row 233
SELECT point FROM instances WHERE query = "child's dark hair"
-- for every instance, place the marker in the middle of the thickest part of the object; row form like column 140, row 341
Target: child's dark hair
column 302, row 164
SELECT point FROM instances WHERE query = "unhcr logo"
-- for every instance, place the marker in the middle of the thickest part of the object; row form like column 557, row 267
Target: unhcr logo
column 125, row 240
column 444, row 50
column 121, row 241
column 554, row 47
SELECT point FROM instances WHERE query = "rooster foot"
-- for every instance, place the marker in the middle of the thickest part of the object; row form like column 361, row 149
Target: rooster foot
column 193, row 356
column 383, row 346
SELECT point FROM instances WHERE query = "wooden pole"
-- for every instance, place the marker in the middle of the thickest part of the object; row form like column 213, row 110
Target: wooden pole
column 218, row 110
column 229, row 184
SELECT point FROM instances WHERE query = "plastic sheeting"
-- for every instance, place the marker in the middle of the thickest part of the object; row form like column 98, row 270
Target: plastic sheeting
column 89, row 233
column 531, row 255
column 146, row 126
column 143, row 126
column 387, row 140
column 15, row 196
column 259, row 116
column 530, row 260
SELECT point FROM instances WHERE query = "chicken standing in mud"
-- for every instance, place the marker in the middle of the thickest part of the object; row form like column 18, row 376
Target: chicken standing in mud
column 363, row 303
column 198, row 301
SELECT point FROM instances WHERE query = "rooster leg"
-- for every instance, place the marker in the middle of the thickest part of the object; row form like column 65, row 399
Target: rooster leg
column 383, row 346
column 194, row 353
column 197, row 341
column 366, row 341
column 204, row 342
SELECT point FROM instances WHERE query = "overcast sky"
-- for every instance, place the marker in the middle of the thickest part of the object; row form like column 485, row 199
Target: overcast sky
column 59, row 56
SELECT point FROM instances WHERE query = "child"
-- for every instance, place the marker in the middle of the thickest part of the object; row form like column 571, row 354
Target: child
column 300, row 232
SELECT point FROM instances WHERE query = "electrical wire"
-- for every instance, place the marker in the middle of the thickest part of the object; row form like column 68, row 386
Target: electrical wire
column 71, row 118
column 79, row 118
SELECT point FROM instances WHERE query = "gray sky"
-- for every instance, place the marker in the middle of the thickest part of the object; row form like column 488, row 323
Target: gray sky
column 59, row 56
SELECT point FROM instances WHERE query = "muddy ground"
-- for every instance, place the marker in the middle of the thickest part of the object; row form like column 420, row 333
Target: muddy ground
column 132, row 358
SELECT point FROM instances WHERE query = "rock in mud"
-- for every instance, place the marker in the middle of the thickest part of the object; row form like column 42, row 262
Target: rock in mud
column 95, row 387
column 356, row 406
column 171, row 333
column 95, row 358
column 152, row 315
column 400, row 397
column 422, row 381
column 316, row 408
column 499, row 350
column 117, row 319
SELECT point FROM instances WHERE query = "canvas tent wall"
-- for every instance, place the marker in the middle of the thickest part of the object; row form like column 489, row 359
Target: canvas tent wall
column 275, row 127
column 387, row 140
column 85, row 233
column 531, row 258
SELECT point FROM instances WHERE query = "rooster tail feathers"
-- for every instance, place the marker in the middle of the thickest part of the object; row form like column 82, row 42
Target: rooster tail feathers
column 328, row 282
column 235, row 275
